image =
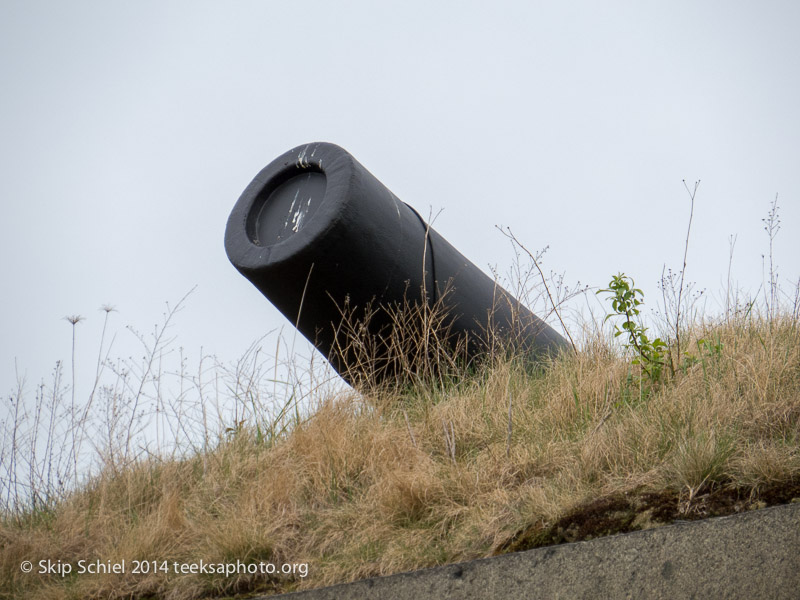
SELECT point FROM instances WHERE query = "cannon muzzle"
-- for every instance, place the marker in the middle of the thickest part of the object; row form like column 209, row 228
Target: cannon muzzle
column 341, row 256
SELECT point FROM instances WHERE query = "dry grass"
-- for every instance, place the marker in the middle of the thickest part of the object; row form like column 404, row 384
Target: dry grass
column 454, row 460
column 387, row 481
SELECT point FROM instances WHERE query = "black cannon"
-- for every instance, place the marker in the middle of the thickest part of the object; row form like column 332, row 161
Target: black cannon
column 355, row 269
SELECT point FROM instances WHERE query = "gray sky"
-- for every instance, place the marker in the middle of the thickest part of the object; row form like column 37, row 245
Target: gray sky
column 129, row 129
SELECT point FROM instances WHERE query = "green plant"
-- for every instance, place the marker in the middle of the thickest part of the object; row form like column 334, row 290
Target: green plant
column 625, row 302
column 710, row 353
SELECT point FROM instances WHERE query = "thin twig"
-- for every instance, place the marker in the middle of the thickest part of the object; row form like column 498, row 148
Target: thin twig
column 546, row 287
column 692, row 194
column 410, row 433
column 450, row 440
column 732, row 245
column 772, row 225
column 74, row 320
column 508, row 438
column 603, row 419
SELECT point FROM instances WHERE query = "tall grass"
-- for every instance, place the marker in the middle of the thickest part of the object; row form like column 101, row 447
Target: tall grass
column 258, row 462
column 155, row 407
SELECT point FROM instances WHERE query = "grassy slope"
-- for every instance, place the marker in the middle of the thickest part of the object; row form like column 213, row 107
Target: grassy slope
column 381, row 483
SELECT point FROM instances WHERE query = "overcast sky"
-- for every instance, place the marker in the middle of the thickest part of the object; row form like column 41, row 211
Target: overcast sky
column 129, row 129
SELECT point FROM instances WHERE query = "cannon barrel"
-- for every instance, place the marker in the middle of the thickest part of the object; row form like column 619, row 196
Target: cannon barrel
column 324, row 241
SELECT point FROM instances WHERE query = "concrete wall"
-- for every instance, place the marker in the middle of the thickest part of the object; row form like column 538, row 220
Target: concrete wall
column 749, row 556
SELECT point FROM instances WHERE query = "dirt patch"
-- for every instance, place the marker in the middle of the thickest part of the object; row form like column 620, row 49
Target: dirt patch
column 638, row 510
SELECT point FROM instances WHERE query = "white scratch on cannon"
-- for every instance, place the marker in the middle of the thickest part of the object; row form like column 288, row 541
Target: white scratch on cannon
column 291, row 208
column 300, row 215
column 302, row 161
